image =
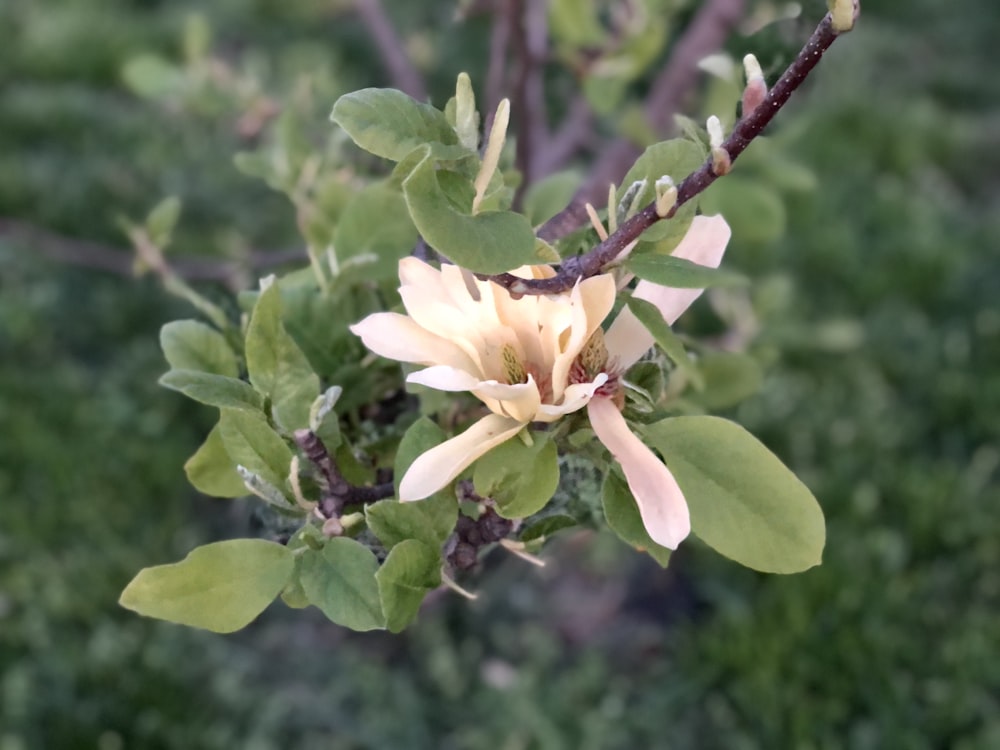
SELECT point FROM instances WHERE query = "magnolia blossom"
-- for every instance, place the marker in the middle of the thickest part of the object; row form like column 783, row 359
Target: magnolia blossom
column 535, row 359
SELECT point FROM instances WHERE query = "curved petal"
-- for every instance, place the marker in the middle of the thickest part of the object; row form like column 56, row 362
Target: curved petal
column 592, row 300
column 662, row 506
column 399, row 337
column 438, row 466
column 575, row 397
column 444, row 378
column 705, row 243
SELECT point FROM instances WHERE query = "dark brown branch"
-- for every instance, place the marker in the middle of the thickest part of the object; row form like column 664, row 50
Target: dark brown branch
column 401, row 70
column 706, row 34
column 743, row 134
column 337, row 492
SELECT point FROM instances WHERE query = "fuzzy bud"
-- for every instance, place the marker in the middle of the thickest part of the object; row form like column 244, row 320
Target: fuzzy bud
column 756, row 88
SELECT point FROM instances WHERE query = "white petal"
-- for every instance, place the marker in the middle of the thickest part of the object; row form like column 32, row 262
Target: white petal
column 444, row 378
column 705, row 243
column 575, row 397
column 438, row 466
column 592, row 300
column 399, row 337
column 662, row 506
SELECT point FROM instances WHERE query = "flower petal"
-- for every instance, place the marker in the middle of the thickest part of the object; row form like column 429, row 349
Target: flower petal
column 444, row 378
column 705, row 243
column 399, row 337
column 575, row 397
column 662, row 506
column 438, row 466
column 592, row 300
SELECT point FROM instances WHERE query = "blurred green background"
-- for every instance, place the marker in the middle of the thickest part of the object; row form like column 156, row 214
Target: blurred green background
column 880, row 316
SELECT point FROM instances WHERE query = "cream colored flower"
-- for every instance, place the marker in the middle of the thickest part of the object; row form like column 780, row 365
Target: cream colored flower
column 535, row 359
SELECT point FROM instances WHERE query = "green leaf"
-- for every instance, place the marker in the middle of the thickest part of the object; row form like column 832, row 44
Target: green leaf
column 623, row 517
column 211, row 471
column 213, row 390
column 729, row 379
column 220, row 587
column 744, row 502
column 520, row 478
column 276, row 365
column 431, row 520
column 680, row 273
column 390, row 124
column 192, row 345
column 340, row 580
column 550, row 195
column 489, row 242
column 410, row 571
column 152, row 76
column 649, row 315
column 374, row 232
column 755, row 211
column 252, row 443
column 160, row 222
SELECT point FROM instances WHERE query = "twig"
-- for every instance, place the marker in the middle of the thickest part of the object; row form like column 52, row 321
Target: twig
column 337, row 491
column 100, row 257
column 530, row 42
column 706, row 34
column 401, row 69
column 743, row 134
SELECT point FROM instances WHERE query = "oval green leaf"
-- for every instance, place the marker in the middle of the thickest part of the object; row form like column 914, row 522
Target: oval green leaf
column 489, row 242
column 192, row 345
column 520, row 478
column 211, row 471
column 340, row 580
column 680, row 273
column 744, row 502
column 622, row 515
column 390, row 124
column 411, row 570
column 220, row 587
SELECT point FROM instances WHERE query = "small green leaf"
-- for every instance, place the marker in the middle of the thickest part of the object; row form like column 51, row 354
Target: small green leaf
column 520, row 478
column 623, row 517
column 755, row 211
column 213, row 390
column 410, row 571
column 729, row 379
column 419, row 438
column 192, row 345
column 152, row 76
column 680, row 273
column 488, row 242
column 649, row 315
column 375, row 227
column 744, row 502
column 276, row 365
column 550, row 195
column 390, row 124
column 340, row 580
column 431, row 520
column 220, row 587
column 211, row 471
column 252, row 443
column 160, row 222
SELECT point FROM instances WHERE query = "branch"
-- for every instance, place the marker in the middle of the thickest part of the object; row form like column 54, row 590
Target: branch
column 706, row 34
column 94, row 255
column 403, row 73
column 743, row 134
column 337, row 491
column 496, row 68
column 530, row 42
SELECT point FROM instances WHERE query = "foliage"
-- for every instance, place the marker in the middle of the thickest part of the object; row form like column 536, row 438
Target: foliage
column 879, row 356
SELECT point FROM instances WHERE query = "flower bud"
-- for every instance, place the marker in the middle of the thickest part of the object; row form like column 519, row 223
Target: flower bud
column 756, row 88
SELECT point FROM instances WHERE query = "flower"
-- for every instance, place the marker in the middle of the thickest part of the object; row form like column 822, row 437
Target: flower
column 535, row 359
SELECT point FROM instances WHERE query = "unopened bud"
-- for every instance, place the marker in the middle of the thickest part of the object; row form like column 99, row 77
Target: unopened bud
column 721, row 162
column 843, row 14
column 714, row 127
column 666, row 196
column 756, row 88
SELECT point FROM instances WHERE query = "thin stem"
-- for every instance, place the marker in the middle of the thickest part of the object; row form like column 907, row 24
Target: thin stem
column 742, row 136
